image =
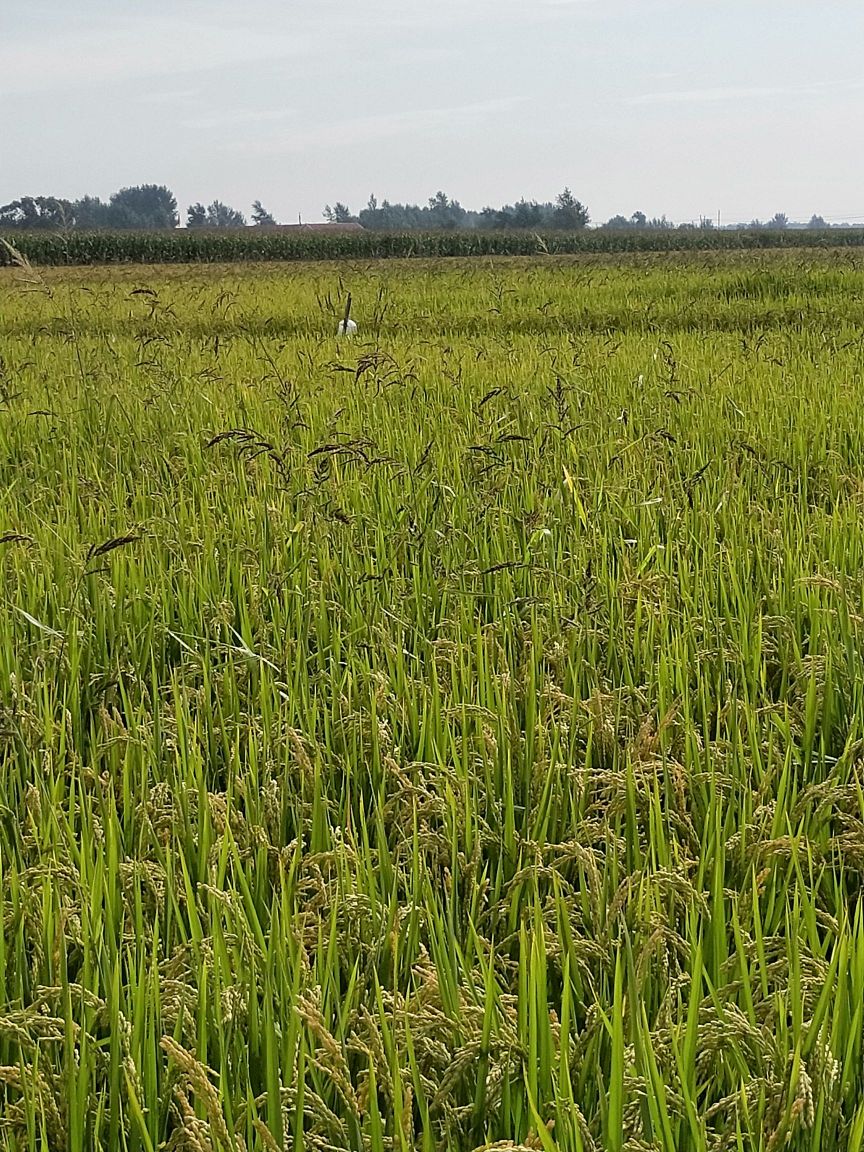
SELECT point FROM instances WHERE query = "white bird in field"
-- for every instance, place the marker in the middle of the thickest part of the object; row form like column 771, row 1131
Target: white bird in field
column 347, row 327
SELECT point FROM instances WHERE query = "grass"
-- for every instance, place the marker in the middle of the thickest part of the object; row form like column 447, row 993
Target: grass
column 446, row 738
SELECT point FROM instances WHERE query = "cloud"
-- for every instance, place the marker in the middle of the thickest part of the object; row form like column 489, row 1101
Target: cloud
column 359, row 130
column 702, row 96
column 441, row 14
column 110, row 43
column 135, row 51
column 733, row 93
column 240, row 118
column 174, row 97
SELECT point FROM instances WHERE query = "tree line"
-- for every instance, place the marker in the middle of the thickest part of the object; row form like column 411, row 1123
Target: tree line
column 565, row 212
column 778, row 222
column 441, row 213
column 154, row 206
column 139, row 208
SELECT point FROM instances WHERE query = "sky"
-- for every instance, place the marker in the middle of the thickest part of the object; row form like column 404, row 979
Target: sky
column 686, row 108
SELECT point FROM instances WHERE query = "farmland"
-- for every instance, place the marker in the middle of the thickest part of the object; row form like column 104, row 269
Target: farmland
column 445, row 737
column 197, row 245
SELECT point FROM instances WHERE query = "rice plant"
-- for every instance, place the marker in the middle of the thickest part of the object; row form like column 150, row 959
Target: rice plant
column 444, row 739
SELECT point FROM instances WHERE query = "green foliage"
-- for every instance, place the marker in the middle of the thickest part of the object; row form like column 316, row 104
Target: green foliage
column 199, row 244
column 569, row 214
column 444, row 738
column 196, row 216
column 338, row 214
column 218, row 215
column 37, row 212
column 260, row 215
column 638, row 221
column 442, row 213
column 144, row 206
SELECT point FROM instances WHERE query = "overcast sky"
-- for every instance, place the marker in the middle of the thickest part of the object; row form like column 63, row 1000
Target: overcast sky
column 683, row 107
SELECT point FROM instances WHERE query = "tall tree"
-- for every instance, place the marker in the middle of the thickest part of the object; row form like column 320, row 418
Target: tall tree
column 91, row 212
column 260, row 215
column 224, row 216
column 393, row 217
column 37, row 212
column 444, row 212
column 215, row 215
column 144, row 206
column 570, row 213
column 526, row 214
column 338, row 214
column 196, row 216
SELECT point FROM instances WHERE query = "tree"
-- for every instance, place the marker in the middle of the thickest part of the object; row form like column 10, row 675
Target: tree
column 637, row 220
column 525, row 214
column 55, row 212
column 778, row 220
column 444, row 213
column 215, row 215
column 341, row 213
column 817, row 222
column 260, row 215
column 224, row 216
column 91, row 212
column 439, row 210
column 389, row 217
column 37, row 212
column 569, row 213
column 196, row 216
column 144, row 206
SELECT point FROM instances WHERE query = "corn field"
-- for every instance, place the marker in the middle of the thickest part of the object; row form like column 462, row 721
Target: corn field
column 445, row 739
column 183, row 246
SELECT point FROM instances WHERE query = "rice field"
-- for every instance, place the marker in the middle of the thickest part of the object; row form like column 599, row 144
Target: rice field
column 445, row 738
